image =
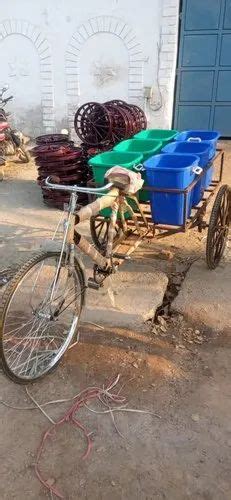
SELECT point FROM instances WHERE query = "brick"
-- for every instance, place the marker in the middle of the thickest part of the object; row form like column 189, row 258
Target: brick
column 168, row 30
column 49, row 124
column 165, row 64
column 171, row 3
column 48, row 118
column 164, row 56
column 165, row 73
column 170, row 56
column 48, row 103
column 164, row 82
column 169, row 38
column 169, row 20
column 168, row 47
column 169, row 11
column 72, row 92
column 47, row 95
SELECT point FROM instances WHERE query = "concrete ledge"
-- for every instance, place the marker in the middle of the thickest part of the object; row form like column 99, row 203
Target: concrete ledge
column 128, row 298
column 205, row 297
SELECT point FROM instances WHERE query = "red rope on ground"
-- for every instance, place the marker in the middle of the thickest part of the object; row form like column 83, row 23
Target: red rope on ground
column 70, row 417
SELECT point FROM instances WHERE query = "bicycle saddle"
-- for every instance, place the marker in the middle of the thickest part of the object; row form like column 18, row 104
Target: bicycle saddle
column 127, row 180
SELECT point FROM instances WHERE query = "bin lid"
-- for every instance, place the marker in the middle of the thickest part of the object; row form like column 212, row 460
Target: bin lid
column 112, row 158
column 161, row 134
column 171, row 162
column 204, row 135
column 185, row 147
column 139, row 145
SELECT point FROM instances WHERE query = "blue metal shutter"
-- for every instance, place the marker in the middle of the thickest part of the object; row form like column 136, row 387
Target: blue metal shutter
column 203, row 80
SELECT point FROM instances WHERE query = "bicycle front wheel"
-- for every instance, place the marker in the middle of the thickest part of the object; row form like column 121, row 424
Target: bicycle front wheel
column 40, row 313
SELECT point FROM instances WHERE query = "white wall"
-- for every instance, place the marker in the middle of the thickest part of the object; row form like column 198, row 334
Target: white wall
column 57, row 54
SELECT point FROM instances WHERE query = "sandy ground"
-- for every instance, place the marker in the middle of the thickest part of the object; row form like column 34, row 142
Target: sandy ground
column 184, row 452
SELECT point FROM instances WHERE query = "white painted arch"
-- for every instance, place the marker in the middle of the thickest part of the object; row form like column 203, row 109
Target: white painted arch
column 89, row 29
column 30, row 31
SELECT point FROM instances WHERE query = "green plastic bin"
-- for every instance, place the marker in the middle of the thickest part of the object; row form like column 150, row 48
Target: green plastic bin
column 148, row 147
column 102, row 162
column 164, row 136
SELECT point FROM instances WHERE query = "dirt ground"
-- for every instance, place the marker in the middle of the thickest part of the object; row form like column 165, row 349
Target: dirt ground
column 182, row 452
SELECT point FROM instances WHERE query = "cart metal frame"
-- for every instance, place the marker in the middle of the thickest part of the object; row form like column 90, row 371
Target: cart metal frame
column 219, row 222
column 199, row 210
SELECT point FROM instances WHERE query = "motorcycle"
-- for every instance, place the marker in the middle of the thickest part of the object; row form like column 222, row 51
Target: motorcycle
column 11, row 141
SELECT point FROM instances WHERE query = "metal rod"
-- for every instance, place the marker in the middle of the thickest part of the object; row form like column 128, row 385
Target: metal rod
column 221, row 166
column 77, row 189
column 185, row 211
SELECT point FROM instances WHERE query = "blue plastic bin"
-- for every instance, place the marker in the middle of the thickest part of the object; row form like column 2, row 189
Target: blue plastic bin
column 170, row 171
column 210, row 136
column 200, row 149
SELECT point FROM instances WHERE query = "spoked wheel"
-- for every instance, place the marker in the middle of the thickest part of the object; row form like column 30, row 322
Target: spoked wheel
column 52, row 138
column 120, row 122
column 40, row 314
column 141, row 117
column 99, row 227
column 93, row 123
column 218, row 228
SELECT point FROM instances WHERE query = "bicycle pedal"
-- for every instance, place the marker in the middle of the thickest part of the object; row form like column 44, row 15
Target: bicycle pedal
column 92, row 284
column 121, row 256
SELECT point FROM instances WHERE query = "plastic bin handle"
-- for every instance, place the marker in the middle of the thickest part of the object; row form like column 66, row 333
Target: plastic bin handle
column 194, row 139
column 139, row 168
column 197, row 170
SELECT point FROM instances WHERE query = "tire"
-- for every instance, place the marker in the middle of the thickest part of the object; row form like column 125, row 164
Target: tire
column 15, row 348
column 99, row 232
column 23, row 154
column 218, row 228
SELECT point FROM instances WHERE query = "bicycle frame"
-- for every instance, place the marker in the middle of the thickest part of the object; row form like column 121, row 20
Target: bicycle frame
column 114, row 199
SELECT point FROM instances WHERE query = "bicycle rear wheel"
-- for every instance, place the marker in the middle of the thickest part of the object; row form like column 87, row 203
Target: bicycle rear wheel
column 99, row 227
column 40, row 313
column 218, row 228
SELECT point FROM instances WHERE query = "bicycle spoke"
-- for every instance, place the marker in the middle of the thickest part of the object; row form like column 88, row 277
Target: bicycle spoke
column 43, row 316
column 35, row 342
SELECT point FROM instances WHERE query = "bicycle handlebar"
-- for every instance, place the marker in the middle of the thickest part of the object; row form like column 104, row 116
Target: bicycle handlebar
column 77, row 189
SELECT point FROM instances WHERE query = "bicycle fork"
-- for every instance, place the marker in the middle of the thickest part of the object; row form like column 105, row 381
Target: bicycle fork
column 68, row 242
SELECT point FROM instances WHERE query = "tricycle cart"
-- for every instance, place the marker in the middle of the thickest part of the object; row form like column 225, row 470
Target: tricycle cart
column 218, row 225
column 41, row 308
